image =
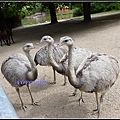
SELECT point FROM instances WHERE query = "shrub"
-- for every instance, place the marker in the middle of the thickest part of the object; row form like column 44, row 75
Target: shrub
column 77, row 12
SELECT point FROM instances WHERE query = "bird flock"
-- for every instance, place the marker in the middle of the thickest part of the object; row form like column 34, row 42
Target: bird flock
column 86, row 71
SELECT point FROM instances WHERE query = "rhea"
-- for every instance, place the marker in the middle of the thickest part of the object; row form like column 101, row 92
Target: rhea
column 97, row 73
column 62, row 66
column 20, row 70
column 41, row 57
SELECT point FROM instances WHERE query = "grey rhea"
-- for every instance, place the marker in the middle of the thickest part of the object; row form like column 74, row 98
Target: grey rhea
column 41, row 57
column 20, row 70
column 97, row 73
column 62, row 66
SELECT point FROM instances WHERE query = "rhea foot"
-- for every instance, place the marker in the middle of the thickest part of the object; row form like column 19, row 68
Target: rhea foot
column 64, row 84
column 96, row 111
column 53, row 82
column 74, row 93
column 80, row 99
column 23, row 107
column 35, row 103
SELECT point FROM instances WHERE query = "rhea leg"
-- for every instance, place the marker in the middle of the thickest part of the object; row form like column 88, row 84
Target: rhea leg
column 74, row 93
column 33, row 103
column 80, row 98
column 98, row 103
column 101, row 97
column 54, row 82
column 98, row 106
column 23, row 106
column 54, row 76
column 64, row 81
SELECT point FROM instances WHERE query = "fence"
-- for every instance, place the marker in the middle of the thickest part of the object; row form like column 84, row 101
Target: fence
column 6, row 108
column 45, row 17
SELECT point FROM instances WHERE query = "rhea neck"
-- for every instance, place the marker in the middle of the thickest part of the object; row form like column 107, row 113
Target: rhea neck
column 52, row 61
column 32, row 74
column 30, row 58
column 71, row 71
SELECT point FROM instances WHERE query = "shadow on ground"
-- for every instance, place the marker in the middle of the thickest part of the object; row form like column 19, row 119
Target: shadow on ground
column 65, row 27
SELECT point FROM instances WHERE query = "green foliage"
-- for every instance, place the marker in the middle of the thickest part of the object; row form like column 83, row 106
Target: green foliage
column 78, row 9
column 12, row 14
column 16, row 11
column 31, row 8
column 114, row 6
column 21, row 9
column 77, row 12
column 12, row 9
column 97, row 7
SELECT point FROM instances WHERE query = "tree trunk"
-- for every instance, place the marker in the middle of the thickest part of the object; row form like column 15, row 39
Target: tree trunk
column 12, row 22
column 2, row 20
column 86, row 9
column 52, row 13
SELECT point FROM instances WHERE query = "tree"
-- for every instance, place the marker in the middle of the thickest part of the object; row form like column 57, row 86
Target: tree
column 86, row 9
column 15, row 11
column 82, row 8
column 2, row 20
column 51, row 7
column 11, row 11
column 52, row 13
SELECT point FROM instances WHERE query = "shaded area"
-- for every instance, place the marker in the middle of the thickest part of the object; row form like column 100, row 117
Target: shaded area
column 37, row 31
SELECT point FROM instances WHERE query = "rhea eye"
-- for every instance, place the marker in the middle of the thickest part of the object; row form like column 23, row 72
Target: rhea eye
column 45, row 39
column 28, row 45
column 66, row 40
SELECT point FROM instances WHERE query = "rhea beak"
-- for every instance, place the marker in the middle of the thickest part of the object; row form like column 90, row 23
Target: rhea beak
column 61, row 44
column 41, row 41
column 37, row 43
column 35, row 47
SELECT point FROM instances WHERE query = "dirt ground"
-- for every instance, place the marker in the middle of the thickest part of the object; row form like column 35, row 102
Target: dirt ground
column 102, row 35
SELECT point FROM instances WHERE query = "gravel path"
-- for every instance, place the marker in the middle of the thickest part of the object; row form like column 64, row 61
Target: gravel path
column 102, row 35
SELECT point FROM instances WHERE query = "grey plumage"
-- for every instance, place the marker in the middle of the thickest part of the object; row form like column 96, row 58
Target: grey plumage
column 19, row 70
column 97, row 73
column 42, row 59
column 62, row 66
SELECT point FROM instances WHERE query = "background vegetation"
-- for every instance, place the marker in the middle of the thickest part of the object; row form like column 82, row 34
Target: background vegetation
column 15, row 12
column 96, row 7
